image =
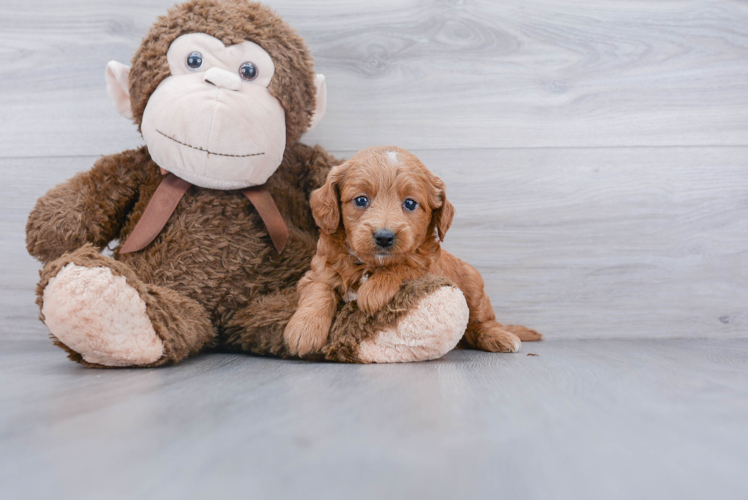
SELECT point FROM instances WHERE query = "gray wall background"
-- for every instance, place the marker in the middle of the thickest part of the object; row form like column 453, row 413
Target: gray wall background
column 596, row 152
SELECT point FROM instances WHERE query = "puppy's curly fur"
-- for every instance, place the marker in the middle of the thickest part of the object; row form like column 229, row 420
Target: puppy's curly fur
column 382, row 216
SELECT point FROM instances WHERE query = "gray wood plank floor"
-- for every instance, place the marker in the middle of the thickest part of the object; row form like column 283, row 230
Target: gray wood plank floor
column 582, row 420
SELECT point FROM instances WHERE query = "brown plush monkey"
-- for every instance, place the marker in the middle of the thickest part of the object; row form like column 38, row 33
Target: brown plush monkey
column 212, row 216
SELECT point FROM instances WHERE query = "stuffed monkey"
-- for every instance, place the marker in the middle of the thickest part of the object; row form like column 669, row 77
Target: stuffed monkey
column 210, row 220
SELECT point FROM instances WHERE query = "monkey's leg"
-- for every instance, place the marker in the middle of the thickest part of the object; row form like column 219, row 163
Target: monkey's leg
column 102, row 314
column 258, row 328
column 425, row 320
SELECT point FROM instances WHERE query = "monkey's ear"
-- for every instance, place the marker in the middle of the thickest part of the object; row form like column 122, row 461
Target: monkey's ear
column 118, row 87
column 321, row 100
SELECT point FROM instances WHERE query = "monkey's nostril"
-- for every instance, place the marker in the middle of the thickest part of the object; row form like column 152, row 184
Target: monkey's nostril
column 384, row 238
column 223, row 79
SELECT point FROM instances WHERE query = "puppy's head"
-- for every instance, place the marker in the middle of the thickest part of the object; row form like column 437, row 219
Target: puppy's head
column 384, row 203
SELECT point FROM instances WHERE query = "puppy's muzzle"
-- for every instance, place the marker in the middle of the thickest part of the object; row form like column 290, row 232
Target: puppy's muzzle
column 384, row 238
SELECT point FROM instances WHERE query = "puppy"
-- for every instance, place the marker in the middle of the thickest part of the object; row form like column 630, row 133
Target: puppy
column 382, row 216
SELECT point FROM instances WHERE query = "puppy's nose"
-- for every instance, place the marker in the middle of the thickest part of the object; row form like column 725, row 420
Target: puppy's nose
column 384, row 238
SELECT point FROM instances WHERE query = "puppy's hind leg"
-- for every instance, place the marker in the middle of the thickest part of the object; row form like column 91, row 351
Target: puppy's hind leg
column 483, row 331
column 525, row 334
column 489, row 336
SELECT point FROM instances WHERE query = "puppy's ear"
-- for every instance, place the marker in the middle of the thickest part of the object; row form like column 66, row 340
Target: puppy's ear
column 441, row 217
column 325, row 201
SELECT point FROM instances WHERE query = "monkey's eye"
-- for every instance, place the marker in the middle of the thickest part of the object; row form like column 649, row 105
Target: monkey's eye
column 195, row 60
column 248, row 71
column 361, row 202
column 410, row 205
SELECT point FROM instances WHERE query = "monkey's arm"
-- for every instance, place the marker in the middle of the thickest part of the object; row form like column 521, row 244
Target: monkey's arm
column 89, row 208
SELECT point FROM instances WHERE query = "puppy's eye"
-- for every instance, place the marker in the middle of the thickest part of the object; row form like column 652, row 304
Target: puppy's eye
column 195, row 60
column 410, row 205
column 361, row 202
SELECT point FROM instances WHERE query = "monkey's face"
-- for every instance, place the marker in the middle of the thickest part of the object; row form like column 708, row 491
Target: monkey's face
column 218, row 89
column 213, row 121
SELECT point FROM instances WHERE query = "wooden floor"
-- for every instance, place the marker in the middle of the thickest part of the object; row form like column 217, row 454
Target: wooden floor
column 584, row 419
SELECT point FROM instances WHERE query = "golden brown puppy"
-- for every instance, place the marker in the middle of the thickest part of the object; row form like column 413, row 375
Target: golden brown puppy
column 394, row 215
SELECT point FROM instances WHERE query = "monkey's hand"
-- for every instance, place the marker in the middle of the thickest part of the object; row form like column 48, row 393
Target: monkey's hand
column 87, row 209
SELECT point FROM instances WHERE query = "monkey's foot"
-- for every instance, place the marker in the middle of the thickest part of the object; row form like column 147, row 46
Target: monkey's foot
column 101, row 317
column 429, row 331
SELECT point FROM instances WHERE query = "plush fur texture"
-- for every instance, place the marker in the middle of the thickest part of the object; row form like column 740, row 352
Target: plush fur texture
column 352, row 326
column 182, row 323
column 259, row 327
column 212, row 278
column 232, row 22
column 416, row 337
column 77, row 307
column 385, row 191
column 209, row 126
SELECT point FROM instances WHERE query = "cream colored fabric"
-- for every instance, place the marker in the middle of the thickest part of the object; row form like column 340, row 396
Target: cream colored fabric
column 216, row 134
column 209, row 126
column 118, row 88
column 223, row 79
column 101, row 317
column 429, row 331
column 320, row 101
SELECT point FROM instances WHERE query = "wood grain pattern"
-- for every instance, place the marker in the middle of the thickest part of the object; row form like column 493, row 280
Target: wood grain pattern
column 606, row 242
column 584, row 420
column 579, row 243
column 597, row 155
column 25, row 181
column 596, row 151
column 418, row 73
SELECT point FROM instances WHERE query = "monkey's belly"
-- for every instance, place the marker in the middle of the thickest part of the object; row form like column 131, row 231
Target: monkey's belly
column 216, row 250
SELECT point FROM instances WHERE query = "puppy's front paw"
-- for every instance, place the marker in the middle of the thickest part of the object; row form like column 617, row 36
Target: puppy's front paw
column 371, row 303
column 306, row 332
column 373, row 296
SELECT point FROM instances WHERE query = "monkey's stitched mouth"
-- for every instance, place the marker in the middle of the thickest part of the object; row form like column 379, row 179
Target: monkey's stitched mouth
column 205, row 150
